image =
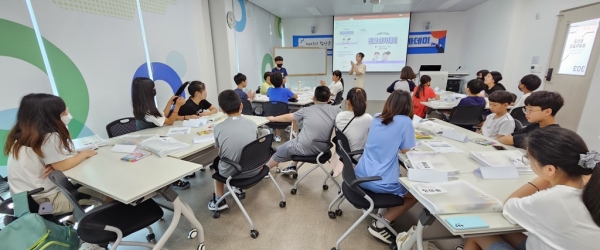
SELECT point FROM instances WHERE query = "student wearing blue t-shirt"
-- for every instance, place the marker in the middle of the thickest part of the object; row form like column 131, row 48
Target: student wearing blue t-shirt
column 279, row 94
column 474, row 87
column 390, row 131
column 280, row 69
column 240, row 81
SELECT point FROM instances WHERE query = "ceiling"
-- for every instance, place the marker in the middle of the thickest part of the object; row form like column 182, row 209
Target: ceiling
column 300, row 8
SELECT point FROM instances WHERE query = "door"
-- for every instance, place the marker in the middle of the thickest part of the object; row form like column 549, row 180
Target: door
column 573, row 60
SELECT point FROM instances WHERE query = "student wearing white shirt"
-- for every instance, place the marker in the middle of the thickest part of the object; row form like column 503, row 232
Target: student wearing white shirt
column 355, row 122
column 560, row 208
column 499, row 123
column 337, row 85
column 527, row 85
column 359, row 70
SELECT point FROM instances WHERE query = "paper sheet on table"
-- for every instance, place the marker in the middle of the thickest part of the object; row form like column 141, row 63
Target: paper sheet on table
column 204, row 138
column 195, row 123
column 124, row 148
column 179, row 131
column 442, row 147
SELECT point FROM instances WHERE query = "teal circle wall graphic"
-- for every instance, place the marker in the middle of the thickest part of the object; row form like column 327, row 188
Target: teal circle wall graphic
column 241, row 24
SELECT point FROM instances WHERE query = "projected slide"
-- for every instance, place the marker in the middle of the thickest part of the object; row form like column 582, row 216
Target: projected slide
column 382, row 38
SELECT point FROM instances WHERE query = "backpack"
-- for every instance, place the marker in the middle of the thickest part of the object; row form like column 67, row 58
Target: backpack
column 31, row 231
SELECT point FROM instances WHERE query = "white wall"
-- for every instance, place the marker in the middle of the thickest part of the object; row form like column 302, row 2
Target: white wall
column 223, row 39
column 376, row 83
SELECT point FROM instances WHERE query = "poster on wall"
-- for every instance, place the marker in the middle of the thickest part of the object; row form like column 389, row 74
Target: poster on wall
column 578, row 47
column 317, row 41
column 427, row 42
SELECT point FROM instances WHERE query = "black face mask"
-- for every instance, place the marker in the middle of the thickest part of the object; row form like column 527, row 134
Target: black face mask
column 280, row 65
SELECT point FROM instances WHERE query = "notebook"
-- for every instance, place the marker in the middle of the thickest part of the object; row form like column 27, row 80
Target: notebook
column 466, row 222
column 89, row 142
column 423, row 135
column 454, row 197
column 431, row 161
column 164, row 146
column 131, row 139
column 501, row 158
column 432, row 127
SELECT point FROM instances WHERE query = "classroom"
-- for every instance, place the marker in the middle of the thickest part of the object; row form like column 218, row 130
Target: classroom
column 315, row 124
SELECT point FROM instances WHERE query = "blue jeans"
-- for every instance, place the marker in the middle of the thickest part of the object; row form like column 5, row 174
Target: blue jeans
column 502, row 245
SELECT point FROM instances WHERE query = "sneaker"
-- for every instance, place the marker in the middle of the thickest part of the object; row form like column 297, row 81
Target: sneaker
column 238, row 191
column 391, row 222
column 277, row 138
column 289, row 170
column 288, row 129
column 180, row 185
column 267, row 177
column 212, row 204
column 383, row 234
column 192, row 175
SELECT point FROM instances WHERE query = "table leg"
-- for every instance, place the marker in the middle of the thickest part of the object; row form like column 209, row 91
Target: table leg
column 176, row 215
column 179, row 208
column 425, row 219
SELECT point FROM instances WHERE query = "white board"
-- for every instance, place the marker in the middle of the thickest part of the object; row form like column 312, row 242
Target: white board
column 302, row 61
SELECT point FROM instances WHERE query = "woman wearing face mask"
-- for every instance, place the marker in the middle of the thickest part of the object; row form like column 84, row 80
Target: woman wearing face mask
column 40, row 143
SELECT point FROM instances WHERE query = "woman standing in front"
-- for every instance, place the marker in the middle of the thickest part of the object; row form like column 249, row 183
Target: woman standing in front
column 359, row 70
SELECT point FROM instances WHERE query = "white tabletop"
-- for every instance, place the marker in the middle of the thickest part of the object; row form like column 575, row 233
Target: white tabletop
column 499, row 189
column 447, row 105
column 300, row 102
column 188, row 138
column 128, row 181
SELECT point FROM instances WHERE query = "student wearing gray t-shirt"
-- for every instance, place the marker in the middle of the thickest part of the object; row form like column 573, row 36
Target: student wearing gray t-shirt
column 317, row 124
column 231, row 136
column 499, row 123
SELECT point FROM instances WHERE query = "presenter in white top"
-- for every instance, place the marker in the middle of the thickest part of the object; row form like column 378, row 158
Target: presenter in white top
column 358, row 69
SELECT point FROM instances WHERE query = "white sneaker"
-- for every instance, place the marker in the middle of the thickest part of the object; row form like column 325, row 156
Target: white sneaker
column 277, row 138
column 212, row 204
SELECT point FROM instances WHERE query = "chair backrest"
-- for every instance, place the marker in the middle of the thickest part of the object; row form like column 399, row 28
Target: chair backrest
column 518, row 114
column 348, row 172
column 275, row 108
column 466, row 115
column 518, row 125
column 341, row 141
column 247, row 107
column 69, row 190
column 121, row 126
column 258, row 90
column 338, row 98
column 256, row 154
column 3, row 186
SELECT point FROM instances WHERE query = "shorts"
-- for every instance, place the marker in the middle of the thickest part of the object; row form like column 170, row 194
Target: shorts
column 395, row 188
column 502, row 245
column 62, row 205
column 284, row 152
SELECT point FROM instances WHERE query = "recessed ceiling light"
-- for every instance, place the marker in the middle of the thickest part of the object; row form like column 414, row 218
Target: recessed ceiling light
column 314, row 11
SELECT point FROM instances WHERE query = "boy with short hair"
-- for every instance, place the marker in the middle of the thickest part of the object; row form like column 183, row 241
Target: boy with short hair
column 527, row 85
column 240, row 81
column 474, row 87
column 231, row 136
column 540, row 110
column 266, row 85
column 499, row 123
column 317, row 124
column 279, row 94
column 280, row 69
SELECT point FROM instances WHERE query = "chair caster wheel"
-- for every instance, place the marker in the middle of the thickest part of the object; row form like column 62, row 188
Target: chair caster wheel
column 325, row 187
column 393, row 246
column 338, row 212
column 201, row 247
column 193, row 233
column 295, row 176
column 253, row 234
column 331, row 215
column 203, row 169
column 334, row 248
column 282, row 204
column 242, row 196
column 293, row 191
column 277, row 170
column 216, row 214
column 150, row 238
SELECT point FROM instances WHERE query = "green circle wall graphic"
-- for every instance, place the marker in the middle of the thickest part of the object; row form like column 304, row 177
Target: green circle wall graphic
column 267, row 60
column 19, row 41
column 278, row 27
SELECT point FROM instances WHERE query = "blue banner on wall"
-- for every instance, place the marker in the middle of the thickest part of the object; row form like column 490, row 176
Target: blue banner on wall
column 317, row 41
column 427, row 42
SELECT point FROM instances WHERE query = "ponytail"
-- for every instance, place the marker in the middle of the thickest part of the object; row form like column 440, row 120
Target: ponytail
column 424, row 80
column 358, row 100
column 590, row 194
column 342, row 81
column 339, row 74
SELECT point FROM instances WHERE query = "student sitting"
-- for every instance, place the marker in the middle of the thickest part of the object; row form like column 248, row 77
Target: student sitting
column 266, row 85
column 337, row 85
column 147, row 115
column 240, row 81
column 499, row 123
column 492, row 82
column 197, row 103
column 354, row 123
column 40, row 143
column 280, row 69
column 560, row 208
column 424, row 93
column 231, row 136
column 279, row 94
column 317, row 124
column 390, row 131
column 482, row 73
column 527, row 85
column 406, row 81
column 473, row 99
column 540, row 109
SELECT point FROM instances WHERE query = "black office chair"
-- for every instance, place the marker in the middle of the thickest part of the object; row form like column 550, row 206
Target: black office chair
column 518, row 125
column 275, row 109
column 7, row 210
column 519, row 115
column 466, row 116
column 258, row 90
column 254, row 156
column 247, row 107
column 318, row 159
column 338, row 99
column 3, row 187
column 341, row 143
column 364, row 199
column 121, row 126
column 112, row 221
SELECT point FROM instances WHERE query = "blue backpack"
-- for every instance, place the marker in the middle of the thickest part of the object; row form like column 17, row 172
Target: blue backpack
column 31, row 231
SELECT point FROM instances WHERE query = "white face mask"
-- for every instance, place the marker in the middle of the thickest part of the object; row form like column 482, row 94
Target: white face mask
column 66, row 119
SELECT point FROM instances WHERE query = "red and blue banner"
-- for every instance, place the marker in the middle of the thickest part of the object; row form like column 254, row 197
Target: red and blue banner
column 427, row 42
